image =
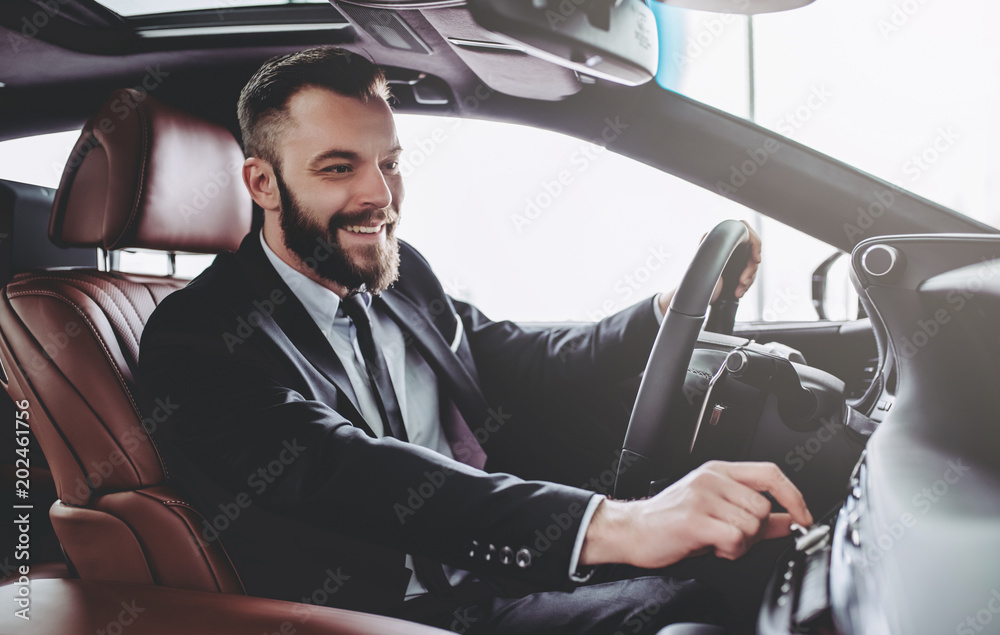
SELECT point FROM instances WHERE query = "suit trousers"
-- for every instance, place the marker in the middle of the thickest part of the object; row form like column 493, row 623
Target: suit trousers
column 634, row 606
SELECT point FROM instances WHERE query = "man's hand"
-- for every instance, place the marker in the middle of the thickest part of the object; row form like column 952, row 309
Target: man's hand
column 746, row 278
column 716, row 508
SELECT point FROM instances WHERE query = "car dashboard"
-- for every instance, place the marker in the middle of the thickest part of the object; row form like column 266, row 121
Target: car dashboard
column 915, row 546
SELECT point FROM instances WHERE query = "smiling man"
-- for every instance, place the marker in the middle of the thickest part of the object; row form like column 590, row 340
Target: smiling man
column 379, row 380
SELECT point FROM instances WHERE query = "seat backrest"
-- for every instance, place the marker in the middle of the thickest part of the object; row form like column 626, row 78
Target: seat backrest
column 142, row 175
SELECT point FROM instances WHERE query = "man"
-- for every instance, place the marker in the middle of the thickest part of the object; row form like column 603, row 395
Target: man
column 326, row 386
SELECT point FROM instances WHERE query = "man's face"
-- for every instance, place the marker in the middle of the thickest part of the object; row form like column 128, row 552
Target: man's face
column 340, row 188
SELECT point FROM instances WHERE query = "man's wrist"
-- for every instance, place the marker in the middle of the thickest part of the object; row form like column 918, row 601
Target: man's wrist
column 608, row 537
column 577, row 572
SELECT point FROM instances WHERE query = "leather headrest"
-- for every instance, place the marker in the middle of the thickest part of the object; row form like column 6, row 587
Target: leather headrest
column 148, row 176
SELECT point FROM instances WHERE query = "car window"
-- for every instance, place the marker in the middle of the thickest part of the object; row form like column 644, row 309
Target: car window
column 530, row 224
column 855, row 79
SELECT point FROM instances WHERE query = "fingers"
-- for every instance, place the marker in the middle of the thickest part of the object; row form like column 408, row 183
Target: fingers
column 753, row 262
column 768, row 477
column 755, row 244
column 777, row 526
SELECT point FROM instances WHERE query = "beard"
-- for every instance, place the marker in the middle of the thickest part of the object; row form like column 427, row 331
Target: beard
column 372, row 268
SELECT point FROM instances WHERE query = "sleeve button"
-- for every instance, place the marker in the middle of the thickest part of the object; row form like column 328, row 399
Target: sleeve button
column 523, row 558
column 506, row 555
column 490, row 552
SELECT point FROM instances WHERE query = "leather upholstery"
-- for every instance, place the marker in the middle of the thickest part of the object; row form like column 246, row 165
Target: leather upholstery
column 75, row 337
column 69, row 340
column 161, row 535
column 146, row 175
column 78, row 607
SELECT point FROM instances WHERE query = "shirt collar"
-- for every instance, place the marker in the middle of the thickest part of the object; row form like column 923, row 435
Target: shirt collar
column 321, row 303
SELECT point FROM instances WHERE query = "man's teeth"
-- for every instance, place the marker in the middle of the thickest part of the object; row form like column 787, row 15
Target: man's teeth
column 360, row 229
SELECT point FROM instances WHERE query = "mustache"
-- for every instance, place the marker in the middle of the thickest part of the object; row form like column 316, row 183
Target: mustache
column 387, row 215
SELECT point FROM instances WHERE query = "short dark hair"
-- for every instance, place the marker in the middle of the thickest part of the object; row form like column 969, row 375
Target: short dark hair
column 263, row 104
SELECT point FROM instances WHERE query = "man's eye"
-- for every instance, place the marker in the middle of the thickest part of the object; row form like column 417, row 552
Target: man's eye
column 337, row 169
column 392, row 165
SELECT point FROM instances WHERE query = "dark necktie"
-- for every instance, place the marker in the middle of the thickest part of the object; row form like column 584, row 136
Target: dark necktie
column 429, row 572
column 378, row 372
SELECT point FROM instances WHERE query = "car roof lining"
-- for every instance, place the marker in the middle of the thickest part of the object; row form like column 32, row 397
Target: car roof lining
column 680, row 136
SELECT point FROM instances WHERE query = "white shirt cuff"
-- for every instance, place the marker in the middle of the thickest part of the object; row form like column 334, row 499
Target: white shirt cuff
column 656, row 309
column 574, row 560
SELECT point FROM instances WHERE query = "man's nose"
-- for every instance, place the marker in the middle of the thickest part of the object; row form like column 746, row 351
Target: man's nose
column 373, row 191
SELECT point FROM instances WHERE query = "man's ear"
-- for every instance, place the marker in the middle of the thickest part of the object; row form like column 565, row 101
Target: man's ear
column 258, row 176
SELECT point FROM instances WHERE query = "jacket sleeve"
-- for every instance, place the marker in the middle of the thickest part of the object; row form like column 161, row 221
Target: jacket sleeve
column 237, row 416
column 534, row 360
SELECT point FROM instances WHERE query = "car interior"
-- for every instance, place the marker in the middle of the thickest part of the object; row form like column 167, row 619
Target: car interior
column 884, row 422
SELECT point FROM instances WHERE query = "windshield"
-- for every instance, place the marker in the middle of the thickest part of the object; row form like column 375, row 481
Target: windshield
column 906, row 90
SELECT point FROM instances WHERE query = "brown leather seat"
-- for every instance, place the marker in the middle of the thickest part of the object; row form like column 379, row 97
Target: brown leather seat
column 142, row 175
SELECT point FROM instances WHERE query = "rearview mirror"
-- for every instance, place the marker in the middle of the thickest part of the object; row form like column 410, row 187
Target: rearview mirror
column 614, row 40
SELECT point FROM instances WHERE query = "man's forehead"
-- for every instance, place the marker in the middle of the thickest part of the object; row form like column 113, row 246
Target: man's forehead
column 320, row 117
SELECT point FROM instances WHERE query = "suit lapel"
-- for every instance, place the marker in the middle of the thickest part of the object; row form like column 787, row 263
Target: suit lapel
column 459, row 383
column 297, row 330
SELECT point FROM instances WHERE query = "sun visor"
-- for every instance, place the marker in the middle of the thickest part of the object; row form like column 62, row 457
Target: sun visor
column 502, row 66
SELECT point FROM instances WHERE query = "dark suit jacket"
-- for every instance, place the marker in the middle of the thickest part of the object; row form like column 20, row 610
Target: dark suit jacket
column 268, row 442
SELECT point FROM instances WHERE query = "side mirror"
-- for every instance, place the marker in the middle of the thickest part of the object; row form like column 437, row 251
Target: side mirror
column 833, row 295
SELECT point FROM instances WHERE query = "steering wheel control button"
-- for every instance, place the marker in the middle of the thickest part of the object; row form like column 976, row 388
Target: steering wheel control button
column 523, row 558
column 879, row 261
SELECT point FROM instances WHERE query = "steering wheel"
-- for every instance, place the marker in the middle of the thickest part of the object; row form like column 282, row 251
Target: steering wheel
column 657, row 438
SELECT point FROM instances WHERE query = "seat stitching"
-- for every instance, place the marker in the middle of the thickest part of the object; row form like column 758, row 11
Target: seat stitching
column 110, row 297
column 109, row 357
column 219, row 541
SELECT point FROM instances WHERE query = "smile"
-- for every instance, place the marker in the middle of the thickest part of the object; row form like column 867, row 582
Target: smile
column 362, row 229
